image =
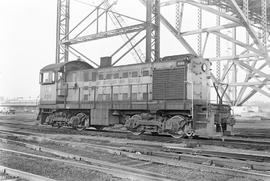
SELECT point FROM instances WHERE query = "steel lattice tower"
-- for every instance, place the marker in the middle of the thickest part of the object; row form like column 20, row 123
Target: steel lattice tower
column 247, row 58
column 62, row 29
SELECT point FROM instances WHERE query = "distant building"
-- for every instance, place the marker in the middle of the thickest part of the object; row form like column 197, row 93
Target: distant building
column 29, row 104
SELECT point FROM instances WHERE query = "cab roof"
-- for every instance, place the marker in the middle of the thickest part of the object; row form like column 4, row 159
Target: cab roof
column 67, row 66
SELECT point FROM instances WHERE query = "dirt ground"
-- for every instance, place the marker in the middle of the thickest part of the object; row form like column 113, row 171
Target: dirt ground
column 64, row 172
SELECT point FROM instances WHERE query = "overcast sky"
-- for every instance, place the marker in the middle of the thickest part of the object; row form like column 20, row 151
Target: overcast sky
column 27, row 39
column 27, row 42
column 27, row 36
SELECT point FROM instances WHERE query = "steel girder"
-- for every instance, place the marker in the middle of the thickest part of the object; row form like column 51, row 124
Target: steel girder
column 119, row 22
column 106, row 34
column 248, row 59
column 66, row 40
column 62, row 29
column 252, row 62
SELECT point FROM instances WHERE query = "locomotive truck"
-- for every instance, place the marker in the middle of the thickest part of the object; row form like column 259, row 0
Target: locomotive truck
column 170, row 96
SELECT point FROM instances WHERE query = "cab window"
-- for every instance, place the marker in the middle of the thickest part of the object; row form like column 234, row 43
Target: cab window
column 60, row 76
column 47, row 77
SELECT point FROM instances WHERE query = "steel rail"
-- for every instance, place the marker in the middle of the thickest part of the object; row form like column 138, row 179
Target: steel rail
column 224, row 154
column 98, row 165
column 24, row 175
column 170, row 158
column 259, row 143
column 254, row 164
column 224, row 141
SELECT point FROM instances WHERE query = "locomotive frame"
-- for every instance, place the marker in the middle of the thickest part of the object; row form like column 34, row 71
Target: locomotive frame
column 166, row 97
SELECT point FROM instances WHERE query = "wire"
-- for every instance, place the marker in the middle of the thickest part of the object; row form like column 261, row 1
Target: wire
column 110, row 10
column 88, row 4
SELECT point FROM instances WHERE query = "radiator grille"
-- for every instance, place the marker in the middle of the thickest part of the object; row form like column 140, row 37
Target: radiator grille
column 169, row 84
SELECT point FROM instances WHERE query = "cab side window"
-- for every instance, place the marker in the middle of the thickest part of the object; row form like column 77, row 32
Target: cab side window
column 60, row 76
column 47, row 77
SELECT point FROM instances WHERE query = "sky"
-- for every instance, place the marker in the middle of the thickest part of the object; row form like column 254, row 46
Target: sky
column 28, row 38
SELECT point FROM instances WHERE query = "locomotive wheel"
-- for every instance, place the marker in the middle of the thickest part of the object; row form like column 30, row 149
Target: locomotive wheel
column 189, row 134
column 74, row 121
column 188, row 131
column 81, row 123
column 133, row 125
column 176, row 126
column 185, row 132
column 80, row 128
column 135, row 118
column 81, row 115
column 49, row 120
column 131, row 122
column 177, row 136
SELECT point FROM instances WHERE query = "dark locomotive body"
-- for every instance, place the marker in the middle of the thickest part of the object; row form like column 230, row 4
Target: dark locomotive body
column 170, row 96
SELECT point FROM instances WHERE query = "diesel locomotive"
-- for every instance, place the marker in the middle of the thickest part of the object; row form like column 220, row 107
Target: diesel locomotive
column 170, row 96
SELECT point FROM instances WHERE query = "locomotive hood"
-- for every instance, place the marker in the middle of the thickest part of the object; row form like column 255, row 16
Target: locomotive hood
column 67, row 66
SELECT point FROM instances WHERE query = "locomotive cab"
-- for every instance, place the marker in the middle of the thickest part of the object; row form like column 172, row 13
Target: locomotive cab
column 53, row 86
column 48, row 87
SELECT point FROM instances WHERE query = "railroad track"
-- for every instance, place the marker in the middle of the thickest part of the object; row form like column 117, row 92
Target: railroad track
column 171, row 156
column 9, row 174
column 247, row 133
column 232, row 142
column 116, row 170
column 235, row 142
column 108, row 168
column 257, row 144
